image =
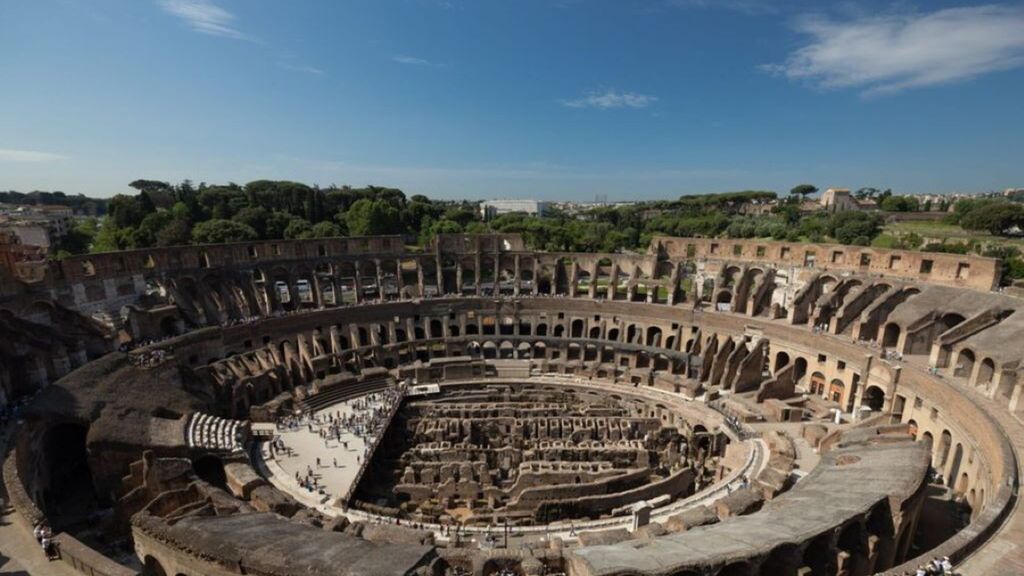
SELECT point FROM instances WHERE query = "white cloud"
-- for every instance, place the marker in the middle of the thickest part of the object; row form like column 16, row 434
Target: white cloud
column 411, row 60
column 205, row 17
column 303, row 68
column 892, row 53
column 611, row 99
column 28, row 156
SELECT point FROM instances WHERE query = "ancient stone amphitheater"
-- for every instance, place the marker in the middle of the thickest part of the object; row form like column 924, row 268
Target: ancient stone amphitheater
column 352, row 406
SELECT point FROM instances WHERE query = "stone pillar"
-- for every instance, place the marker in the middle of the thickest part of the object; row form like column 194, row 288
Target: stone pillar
column 516, row 282
column 613, row 281
column 439, row 273
column 358, row 287
column 380, row 279
column 592, row 289
column 674, row 288
column 573, row 271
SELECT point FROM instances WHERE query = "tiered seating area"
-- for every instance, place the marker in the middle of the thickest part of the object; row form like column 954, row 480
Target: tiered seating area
column 208, row 432
column 329, row 396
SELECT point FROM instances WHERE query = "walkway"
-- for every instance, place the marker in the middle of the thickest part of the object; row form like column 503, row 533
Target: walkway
column 340, row 458
column 19, row 552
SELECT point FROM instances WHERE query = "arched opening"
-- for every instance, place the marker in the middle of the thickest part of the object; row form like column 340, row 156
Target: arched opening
column 954, row 467
column 942, row 450
column 210, row 469
column 152, row 567
column 891, row 335
column 490, row 350
column 70, row 495
column 781, row 361
column 817, row 386
column 736, row 569
column 964, row 364
column 986, row 372
column 783, row 561
column 577, row 328
column 836, row 390
column 799, row 369
column 874, row 398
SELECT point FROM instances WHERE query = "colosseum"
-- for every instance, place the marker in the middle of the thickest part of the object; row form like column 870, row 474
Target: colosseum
column 354, row 406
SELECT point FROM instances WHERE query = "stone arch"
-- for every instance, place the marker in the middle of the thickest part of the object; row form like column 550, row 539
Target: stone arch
column 506, row 350
column 942, row 450
column 874, row 398
column 986, row 372
column 891, row 335
column 782, row 561
column 654, row 336
column 68, row 469
column 524, row 351
column 963, row 483
column 577, row 328
column 817, row 385
column 490, row 350
column 954, row 466
column 799, row 369
column 152, row 567
column 736, row 569
column 836, row 390
column 964, row 363
column 781, row 361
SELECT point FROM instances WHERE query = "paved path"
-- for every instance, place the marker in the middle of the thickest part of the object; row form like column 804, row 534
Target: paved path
column 19, row 552
column 338, row 463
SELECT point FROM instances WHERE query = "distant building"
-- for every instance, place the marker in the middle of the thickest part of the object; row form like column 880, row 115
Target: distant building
column 841, row 200
column 37, row 225
column 491, row 208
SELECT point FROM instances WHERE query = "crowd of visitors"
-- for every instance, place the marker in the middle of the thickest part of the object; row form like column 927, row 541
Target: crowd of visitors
column 937, row 567
column 44, row 536
column 367, row 421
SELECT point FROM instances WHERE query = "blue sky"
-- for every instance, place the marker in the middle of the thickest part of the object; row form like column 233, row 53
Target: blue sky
column 559, row 99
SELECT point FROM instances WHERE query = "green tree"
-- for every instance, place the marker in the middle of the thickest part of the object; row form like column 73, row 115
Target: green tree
column 298, row 228
column 176, row 233
column 371, row 217
column 218, row 231
column 325, row 230
column 996, row 218
column 803, row 190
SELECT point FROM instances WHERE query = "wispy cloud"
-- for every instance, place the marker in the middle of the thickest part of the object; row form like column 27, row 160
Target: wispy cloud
column 28, row 156
column 880, row 55
column 303, row 68
column 412, row 60
column 205, row 17
column 609, row 99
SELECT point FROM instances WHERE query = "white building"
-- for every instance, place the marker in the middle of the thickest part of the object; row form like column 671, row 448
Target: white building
column 491, row 208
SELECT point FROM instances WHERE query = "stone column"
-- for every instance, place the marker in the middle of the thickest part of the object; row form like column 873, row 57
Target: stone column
column 515, row 281
column 358, row 285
